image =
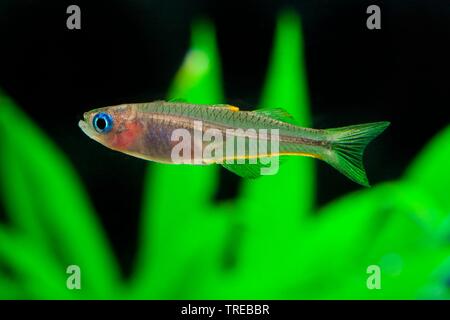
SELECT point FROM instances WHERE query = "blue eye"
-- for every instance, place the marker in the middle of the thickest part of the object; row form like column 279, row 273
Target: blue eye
column 102, row 122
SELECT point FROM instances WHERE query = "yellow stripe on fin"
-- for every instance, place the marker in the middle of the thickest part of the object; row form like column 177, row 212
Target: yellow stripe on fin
column 233, row 108
column 228, row 106
column 248, row 157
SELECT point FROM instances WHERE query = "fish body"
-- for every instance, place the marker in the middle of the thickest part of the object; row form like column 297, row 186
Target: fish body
column 149, row 131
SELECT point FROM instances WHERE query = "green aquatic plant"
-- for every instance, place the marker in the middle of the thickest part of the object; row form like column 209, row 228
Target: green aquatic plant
column 281, row 248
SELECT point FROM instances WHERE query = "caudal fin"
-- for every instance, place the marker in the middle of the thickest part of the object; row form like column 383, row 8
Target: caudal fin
column 347, row 148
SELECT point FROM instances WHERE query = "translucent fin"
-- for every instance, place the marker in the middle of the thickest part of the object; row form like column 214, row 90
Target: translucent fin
column 228, row 106
column 178, row 100
column 249, row 170
column 347, row 148
column 277, row 114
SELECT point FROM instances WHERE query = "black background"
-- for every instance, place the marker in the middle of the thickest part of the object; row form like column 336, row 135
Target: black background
column 128, row 51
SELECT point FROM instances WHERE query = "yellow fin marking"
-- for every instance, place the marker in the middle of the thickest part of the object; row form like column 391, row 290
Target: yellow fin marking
column 233, row 108
column 209, row 161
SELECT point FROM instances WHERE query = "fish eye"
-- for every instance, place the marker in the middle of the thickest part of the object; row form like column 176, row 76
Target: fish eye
column 102, row 122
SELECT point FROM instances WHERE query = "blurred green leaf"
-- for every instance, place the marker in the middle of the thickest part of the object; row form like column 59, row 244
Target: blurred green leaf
column 47, row 203
column 273, row 207
column 179, row 225
column 35, row 270
column 266, row 244
column 366, row 228
column 292, row 189
column 199, row 80
column 430, row 169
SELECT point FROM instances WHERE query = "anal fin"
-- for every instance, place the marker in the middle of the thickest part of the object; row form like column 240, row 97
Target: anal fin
column 254, row 170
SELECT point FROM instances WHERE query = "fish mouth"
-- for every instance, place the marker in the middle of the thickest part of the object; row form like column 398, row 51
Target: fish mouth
column 88, row 130
column 83, row 126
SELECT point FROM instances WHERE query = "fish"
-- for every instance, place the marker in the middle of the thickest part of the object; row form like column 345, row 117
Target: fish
column 158, row 131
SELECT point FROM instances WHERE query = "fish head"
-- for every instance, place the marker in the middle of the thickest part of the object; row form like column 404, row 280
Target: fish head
column 116, row 127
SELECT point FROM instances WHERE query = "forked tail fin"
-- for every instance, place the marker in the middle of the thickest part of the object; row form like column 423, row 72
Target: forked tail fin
column 347, row 148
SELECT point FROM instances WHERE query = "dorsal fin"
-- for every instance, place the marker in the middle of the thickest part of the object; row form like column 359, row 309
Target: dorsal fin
column 277, row 114
column 221, row 106
column 228, row 106
column 177, row 100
